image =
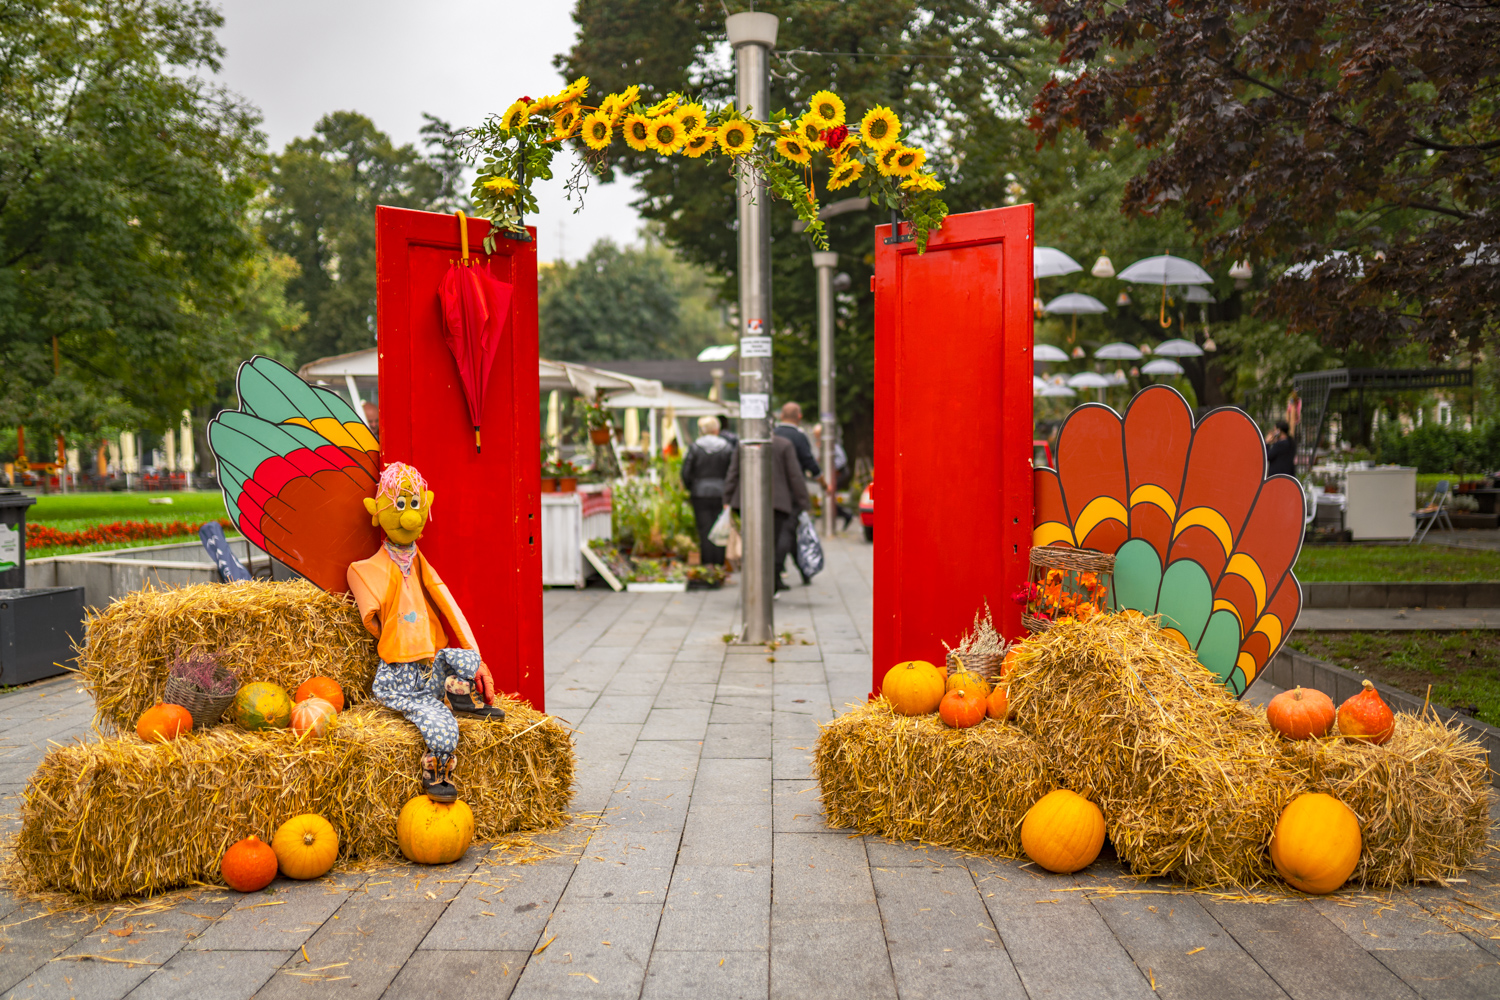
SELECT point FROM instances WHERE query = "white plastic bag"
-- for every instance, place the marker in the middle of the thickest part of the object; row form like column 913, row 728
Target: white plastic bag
column 719, row 533
column 809, row 549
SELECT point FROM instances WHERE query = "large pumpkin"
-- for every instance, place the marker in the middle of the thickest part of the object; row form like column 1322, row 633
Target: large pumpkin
column 321, row 687
column 961, row 709
column 1316, row 844
column 248, row 865
column 310, row 717
column 1366, row 717
column 306, row 846
column 260, row 705
column 164, row 721
column 968, row 681
column 913, row 688
column 1063, row 832
column 434, row 833
column 1301, row 714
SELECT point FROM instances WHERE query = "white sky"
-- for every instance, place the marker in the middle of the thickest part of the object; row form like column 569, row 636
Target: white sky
column 392, row 60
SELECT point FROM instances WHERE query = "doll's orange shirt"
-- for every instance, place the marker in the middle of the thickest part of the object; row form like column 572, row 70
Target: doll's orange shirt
column 403, row 609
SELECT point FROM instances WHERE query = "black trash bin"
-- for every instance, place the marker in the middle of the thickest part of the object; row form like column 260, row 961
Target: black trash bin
column 37, row 631
column 13, row 504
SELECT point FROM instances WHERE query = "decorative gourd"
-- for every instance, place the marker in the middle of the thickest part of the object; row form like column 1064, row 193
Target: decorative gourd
column 261, row 706
column 164, row 721
column 321, row 687
column 913, row 688
column 310, row 717
column 1301, row 714
column 434, row 833
column 1063, row 832
column 249, row 865
column 1316, row 844
column 306, row 846
column 997, row 705
column 968, row 681
column 1366, row 717
column 961, row 709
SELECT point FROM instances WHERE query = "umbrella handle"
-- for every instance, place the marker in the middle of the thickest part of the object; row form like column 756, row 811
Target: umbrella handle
column 1162, row 319
column 463, row 238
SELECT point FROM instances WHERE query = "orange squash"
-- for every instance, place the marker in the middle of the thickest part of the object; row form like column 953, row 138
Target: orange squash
column 961, row 709
column 306, row 846
column 310, row 717
column 434, row 833
column 1301, row 714
column 1366, row 717
column 321, row 687
column 997, row 705
column 164, row 721
column 1317, row 843
column 1063, row 832
column 968, row 681
column 913, row 688
column 248, row 865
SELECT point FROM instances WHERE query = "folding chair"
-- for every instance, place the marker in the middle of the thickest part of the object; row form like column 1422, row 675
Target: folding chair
column 1435, row 511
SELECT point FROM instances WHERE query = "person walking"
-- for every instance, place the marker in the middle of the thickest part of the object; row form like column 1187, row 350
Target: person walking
column 703, row 471
column 1281, row 451
column 791, row 417
column 788, row 498
column 842, row 474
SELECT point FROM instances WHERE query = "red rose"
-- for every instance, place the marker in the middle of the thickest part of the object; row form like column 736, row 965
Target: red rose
column 833, row 138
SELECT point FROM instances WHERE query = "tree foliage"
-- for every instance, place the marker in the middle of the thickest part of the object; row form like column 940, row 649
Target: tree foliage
column 1297, row 131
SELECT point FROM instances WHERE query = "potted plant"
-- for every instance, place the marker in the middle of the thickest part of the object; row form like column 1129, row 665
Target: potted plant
column 549, row 473
column 567, row 477
column 594, row 418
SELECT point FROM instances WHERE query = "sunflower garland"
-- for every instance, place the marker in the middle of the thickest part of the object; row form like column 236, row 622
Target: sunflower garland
column 516, row 148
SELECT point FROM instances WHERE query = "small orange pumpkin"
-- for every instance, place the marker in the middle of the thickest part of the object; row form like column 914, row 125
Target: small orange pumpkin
column 913, row 688
column 434, row 833
column 1063, row 832
column 961, row 709
column 306, row 846
column 1366, row 717
column 164, row 721
column 310, row 717
column 321, row 687
column 1317, row 843
column 249, row 865
column 997, row 705
column 1301, row 714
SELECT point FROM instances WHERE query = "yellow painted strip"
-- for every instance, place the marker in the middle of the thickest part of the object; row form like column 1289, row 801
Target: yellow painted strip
column 1209, row 518
column 1271, row 626
column 1242, row 564
column 1151, row 493
column 1051, row 531
column 1223, row 605
column 1099, row 510
column 1246, row 663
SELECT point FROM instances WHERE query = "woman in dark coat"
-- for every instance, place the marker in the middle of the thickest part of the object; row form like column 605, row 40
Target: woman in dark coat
column 703, row 471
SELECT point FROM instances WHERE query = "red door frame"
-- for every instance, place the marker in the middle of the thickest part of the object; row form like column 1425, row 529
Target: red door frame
column 484, row 538
column 953, row 430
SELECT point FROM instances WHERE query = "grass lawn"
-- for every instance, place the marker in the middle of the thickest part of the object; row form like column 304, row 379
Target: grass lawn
column 1388, row 563
column 1462, row 667
column 76, row 511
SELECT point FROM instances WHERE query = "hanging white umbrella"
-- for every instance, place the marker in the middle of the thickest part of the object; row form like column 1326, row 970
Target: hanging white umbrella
column 1057, row 392
column 1075, row 304
column 1177, row 349
column 1196, row 293
column 1048, row 262
column 1165, row 270
column 1090, row 380
column 1162, row 366
column 1118, row 352
column 1037, row 384
column 1046, row 352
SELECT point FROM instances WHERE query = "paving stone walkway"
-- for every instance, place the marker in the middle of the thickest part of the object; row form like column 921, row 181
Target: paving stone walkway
column 701, row 868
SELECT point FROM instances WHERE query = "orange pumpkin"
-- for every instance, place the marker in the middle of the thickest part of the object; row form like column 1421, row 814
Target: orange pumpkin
column 1009, row 660
column 1317, row 843
column 1063, row 832
column 434, row 833
column 969, row 681
column 321, row 687
column 961, row 709
column 997, row 705
column 306, row 846
column 164, row 721
column 1366, row 717
column 1301, row 714
column 310, row 717
column 913, row 688
column 249, row 865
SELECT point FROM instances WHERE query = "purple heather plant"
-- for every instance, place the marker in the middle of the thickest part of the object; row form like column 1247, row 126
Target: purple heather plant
column 202, row 671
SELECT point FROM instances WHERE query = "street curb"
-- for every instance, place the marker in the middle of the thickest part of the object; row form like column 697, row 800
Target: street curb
column 1484, row 594
column 1289, row 669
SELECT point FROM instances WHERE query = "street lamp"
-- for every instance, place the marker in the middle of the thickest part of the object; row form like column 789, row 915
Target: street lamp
column 825, row 262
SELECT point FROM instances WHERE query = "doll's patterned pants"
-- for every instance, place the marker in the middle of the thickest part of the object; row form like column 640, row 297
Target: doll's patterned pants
column 416, row 691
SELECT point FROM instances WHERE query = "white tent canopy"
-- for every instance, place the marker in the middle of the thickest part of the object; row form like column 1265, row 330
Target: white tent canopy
column 683, row 404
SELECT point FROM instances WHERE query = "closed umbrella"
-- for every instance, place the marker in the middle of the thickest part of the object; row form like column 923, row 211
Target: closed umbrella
column 1177, row 348
column 1075, row 304
column 1046, row 352
column 1118, row 352
column 1162, row 366
column 1165, row 270
column 1048, row 262
column 476, row 308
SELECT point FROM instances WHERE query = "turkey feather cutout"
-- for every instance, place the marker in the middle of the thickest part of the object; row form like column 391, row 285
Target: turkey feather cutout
column 1200, row 535
column 295, row 461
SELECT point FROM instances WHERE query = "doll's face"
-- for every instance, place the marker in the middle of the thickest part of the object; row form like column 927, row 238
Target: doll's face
column 402, row 517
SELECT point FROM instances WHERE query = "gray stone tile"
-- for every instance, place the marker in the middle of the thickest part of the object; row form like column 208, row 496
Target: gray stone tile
column 707, row 975
column 928, row 909
column 732, row 781
column 1068, row 951
column 742, row 711
column 744, row 740
column 273, row 922
column 711, row 907
column 459, row 975
column 627, row 868
column 593, row 950
column 956, row 974
column 798, row 727
column 211, row 975
column 630, row 709
column 668, row 760
column 692, row 694
column 1184, row 949
column 1375, row 927
column 649, row 806
column 829, row 955
column 792, row 758
column 373, row 938
column 82, row 980
column 797, row 808
column 154, row 939
column 727, row 834
column 820, row 870
column 895, row 853
column 1444, row 975
column 500, row 912
column 676, row 724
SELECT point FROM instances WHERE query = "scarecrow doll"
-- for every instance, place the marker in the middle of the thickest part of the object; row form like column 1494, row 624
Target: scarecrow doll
column 400, row 598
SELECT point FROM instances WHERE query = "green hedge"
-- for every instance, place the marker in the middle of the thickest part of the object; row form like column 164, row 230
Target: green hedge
column 1435, row 448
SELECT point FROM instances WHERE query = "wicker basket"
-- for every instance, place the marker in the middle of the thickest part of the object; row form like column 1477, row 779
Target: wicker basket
column 206, row 709
column 986, row 665
column 1073, row 563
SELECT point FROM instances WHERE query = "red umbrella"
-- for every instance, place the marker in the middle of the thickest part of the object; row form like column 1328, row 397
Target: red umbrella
column 476, row 306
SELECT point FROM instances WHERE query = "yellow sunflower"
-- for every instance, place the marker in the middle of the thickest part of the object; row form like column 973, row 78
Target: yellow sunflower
column 575, row 90
column 700, row 142
column 638, row 132
column 546, row 104
column 826, row 109
column 846, row 149
column 809, row 132
column 663, row 106
column 629, row 96
column 515, row 116
column 907, row 161
column 666, row 134
column 565, row 122
column 845, row 174
column 736, row 138
column 693, row 118
column 501, row 186
column 793, row 148
column 611, row 109
column 880, row 128
column 923, row 182
column 598, row 130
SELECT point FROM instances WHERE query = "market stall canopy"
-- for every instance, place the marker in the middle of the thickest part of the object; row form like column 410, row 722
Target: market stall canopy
column 1090, row 380
column 1049, row 262
column 1075, row 304
column 1046, row 352
column 1161, row 366
column 589, row 382
column 1177, row 348
column 364, row 363
column 718, row 352
column 1165, row 270
column 1118, row 352
column 683, row 404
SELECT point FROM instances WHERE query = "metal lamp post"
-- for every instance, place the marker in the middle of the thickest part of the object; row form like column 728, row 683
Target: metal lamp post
column 825, row 262
column 753, row 35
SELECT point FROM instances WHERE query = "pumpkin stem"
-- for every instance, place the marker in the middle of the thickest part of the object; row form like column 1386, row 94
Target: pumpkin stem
column 308, row 838
column 1367, row 685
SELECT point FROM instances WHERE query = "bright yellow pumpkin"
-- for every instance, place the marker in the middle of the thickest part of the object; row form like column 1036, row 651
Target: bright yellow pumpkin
column 434, row 833
column 914, row 687
column 306, row 846
column 1063, row 832
column 1317, row 843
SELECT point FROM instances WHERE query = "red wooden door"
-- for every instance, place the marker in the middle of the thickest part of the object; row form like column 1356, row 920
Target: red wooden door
column 484, row 536
column 953, row 425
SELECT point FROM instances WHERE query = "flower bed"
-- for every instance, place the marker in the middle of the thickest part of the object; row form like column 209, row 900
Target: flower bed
column 39, row 536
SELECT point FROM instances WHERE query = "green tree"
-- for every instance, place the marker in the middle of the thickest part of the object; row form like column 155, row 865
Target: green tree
column 321, row 213
column 126, row 237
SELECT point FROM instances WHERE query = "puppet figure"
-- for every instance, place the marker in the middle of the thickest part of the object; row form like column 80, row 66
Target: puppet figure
column 400, row 598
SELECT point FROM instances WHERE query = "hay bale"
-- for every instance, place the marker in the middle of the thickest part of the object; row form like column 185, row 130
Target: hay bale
column 916, row 779
column 121, row 817
column 283, row 633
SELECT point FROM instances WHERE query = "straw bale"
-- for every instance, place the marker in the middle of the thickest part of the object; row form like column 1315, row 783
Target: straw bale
column 121, row 817
column 913, row 778
column 281, row 632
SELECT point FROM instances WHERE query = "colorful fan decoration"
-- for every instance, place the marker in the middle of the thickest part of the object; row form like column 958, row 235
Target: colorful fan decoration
column 295, row 462
column 1200, row 535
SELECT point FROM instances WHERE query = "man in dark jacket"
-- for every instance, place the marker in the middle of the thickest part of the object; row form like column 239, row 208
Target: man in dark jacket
column 791, row 416
column 1281, row 451
column 788, row 497
column 703, row 471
